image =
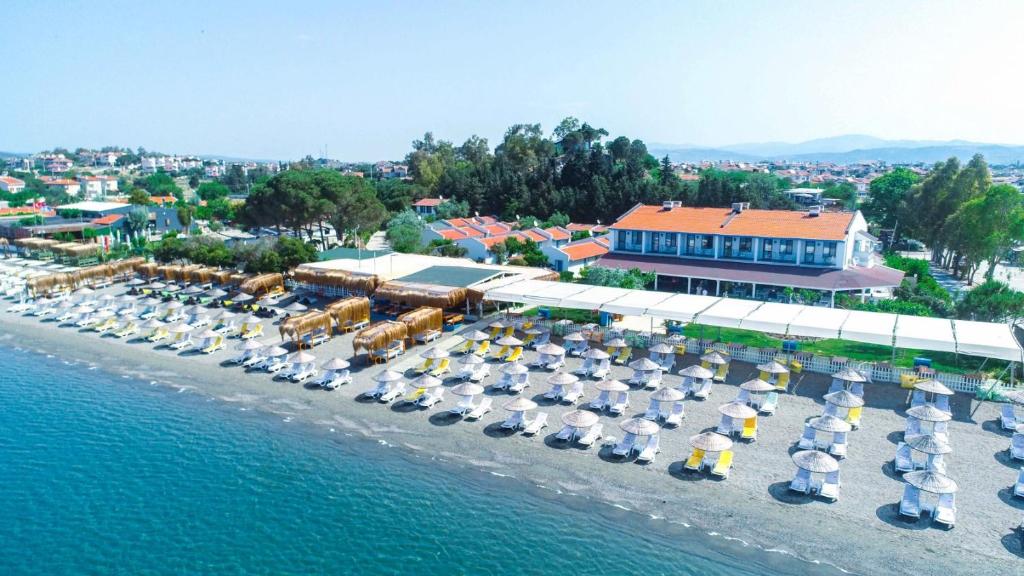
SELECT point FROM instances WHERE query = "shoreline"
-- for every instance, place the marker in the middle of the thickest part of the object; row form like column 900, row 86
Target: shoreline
column 743, row 508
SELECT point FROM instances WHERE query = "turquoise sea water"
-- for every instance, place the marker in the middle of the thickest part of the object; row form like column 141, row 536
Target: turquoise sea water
column 100, row 474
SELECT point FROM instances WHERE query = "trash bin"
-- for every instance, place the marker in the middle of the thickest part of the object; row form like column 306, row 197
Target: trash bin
column 922, row 361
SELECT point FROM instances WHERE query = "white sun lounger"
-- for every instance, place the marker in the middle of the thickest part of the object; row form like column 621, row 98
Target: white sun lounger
column 625, row 446
column 604, row 367
column 653, row 411
column 830, row 486
column 801, row 482
column 585, row 368
column 675, row 416
column 620, row 404
column 650, row 450
column 566, row 434
column 482, row 371
column 396, row 392
column 556, row 363
column 913, row 428
column 574, row 394
column 771, row 403
column 704, row 390
column 1017, row 446
column 903, row 461
column 466, row 373
column 514, row 421
column 1018, row 487
column 464, row 406
column 602, row 400
column 377, row 391
column 595, row 433
column 910, row 504
column 304, row 373
column 556, row 393
column 254, row 359
column 535, row 425
column 945, row 510
column 522, row 382
column 275, row 365
column 838, row 446
column 725, row 425
column 1007, row 418
column 483, row 408
column 433, row 396
column 504, row 381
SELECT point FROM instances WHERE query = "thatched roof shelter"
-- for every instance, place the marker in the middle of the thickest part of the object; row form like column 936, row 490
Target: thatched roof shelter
column 127, row 266
column 354, row 309
column 298, row 326
column 352, row 281
column 201, row 275
column 147, row 269
column 92, row 273
column 262, row 283
column 222, row 276
column 379, row 335
column 34, row 243
column 416, row 294
column 423, row 319
column 168, row 271
column 51, row 282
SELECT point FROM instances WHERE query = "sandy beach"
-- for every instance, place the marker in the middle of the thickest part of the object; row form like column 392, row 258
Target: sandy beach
column 860, row 533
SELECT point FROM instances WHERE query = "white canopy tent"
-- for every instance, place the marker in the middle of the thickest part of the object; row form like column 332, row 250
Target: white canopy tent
column 539, row 292
column 772, row 317
column 986, row 339
column 869, row 327
column 818, row 322
column 682, row 307
column 927, row 333
column 728, row 312
column 636, row 302
column 593, row 297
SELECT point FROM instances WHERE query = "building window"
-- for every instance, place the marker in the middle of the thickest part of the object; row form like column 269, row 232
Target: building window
column 786, row 247
column 767, row 249
column 706, row 242
column 728, row 244
column 638, row 237
column 745, row 244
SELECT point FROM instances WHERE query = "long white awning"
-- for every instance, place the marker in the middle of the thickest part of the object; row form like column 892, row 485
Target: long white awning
column 818, row 322
column 636, row 302
column 592, row 298
column 925, row 333
column 728, row 312
column 772, row 317
column 682, row 307
column 986, row 339
column 869, row 327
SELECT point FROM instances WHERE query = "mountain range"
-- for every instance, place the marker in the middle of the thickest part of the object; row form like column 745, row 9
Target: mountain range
column 844, row 149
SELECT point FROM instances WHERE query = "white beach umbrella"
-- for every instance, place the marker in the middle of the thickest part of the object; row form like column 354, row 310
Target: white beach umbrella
column 274, row 351
column 929, row 413
column 180, row 328
column 520, row 404
column 193, row 290
column 426, row 381
column 534, row 331
column 772, row 368
column 336, row 364
column 471, row 360
column 157, row 285
column 514, row 368
column 596, row 354
column 242, row 297
column 667, row 394
column 662, row 348
column 173, row 305
column 844, row 399
column 136, row 282
column 737, row 410
column 296, row 307
column 714, row 357
column 849, row 375
column 500, row 324
column 434, row 353
column 1015, row 396
column 711, row 442
column 933, row 387
column 508, row 341
column 152, row 324
column 551, row 350
column 757, row 386
column 467, row 389
column 268, row 301
column 929, row 444
column 696, row 371
column 172, row 288
column 301, row 357
column 611, row 386
column 574, row 337
column 388, row 376
column 476, row 336
column 815, row 461
column 249, row 345
column 225, row 315
column 84, row 291
column 208, row 334
column 580, row 418
column 216, row 293
column 83, row 310
column 932, row 482
column 616, row 343
column 562, row 379
column 640, row 426
column 644, row 364
column 829, row 423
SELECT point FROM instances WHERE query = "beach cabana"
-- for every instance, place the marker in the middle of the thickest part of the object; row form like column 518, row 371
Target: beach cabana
column 944, row 487
column 931, row 392
column 518, row 408
column 711, row 450
column 848, row 379
column 810, row 463
column 335, row 282
column 636, row 428
column 560, row 383
column 697, row 380
column 262, row 284
column 415, row 294
column 576, row 424
column 756, row 393
column 827, row 424
column 774, row 373
column 846, row 405
column 717, row 361
column 350, row 313
column 738, row 418
column 926, row 419
column 423, row 324
column 550, row 356
column 307, row 330
column 666, row 404
column 646, row 373
column 664, row 354
column 381, row 340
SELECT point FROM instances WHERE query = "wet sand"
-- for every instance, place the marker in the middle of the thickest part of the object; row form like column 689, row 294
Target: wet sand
column 860, row 533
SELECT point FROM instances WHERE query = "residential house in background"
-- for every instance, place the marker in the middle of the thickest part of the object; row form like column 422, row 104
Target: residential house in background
column 98, row 186
column 749, row 253
column 64, row 185
column 11, row 185
column 427, row 207
column 574, row 256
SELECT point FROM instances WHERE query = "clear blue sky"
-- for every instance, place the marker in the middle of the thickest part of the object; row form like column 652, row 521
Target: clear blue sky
column 283, row 79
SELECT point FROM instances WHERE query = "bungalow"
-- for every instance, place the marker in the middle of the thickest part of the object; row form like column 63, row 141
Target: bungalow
column 97, row 186
column 64, row 185
column 426, row 207
column 575, row 256
column 11, row 185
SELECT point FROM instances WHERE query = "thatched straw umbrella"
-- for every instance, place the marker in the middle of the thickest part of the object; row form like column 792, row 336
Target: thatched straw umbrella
column 757, row 386
column 829, row 423
column 472, row 360
column 815, row 461
column 580, row 418
column 514, row 368
column 715, row 358
column 933, row 387
column 737, row 411
column 242, row 297
column 297, row 327
column 469, row 389
column 520, row 404
column 388, row 376
column 319, row 279
column 560, row 378
column 551, row 350
column 644, row 365
column 928, row 413
column 596, row 354
column 929, row 444
column 696, row 371
column 932, row 482
column 611, row 386
column 426, row 381
column 216, row 293
column 711, row 442
column 1015, row 396
column 666, row 394
column 849, row 375
column 476, row 336
column 616, row 343
column 773, row 368
column 574, row 337
column 640, row 426
column 844, row 399
column 662, row 348
column 250, row 345
column 434, row 353
column 335, row 364
column 508, row 341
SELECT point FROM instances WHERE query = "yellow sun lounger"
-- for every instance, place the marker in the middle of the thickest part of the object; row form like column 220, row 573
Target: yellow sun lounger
column 442, row 368
column 217, row 344
column 529, row 338
column 426, row 366
column 495, row 332
column 483, row 348
column 501, row 353
column 749, row 429
column 783, row 381
column 695, row 459
column 158, row 334
column 853, row 416
column 723, row 465
column 515, row 354
column 721, row 372
column 465, row 348
column 510, row 331
column 623, row 356
column 252, row 332
column 412, row 396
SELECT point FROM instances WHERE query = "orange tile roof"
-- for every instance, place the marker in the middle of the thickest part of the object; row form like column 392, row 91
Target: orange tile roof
column 492, row 240
column 163, row 199
column 108, row 219
column 428, row 202
column 558, row 233
column 495, row 229
column 12, row 181
column 535, row 236
column 471, row 232
column 584, row 249
column 764, row 223
column 63, row 182
column 458, row 222
column 452, row 234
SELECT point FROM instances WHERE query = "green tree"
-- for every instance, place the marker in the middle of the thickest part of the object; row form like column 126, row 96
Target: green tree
column 212, row 191
column 887, row 199
column 292, row 252
column 452, row 209
column 138, row 197
column 404, row 231
column 991, row 301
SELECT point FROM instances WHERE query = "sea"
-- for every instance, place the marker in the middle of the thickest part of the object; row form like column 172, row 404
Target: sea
column 101, row 473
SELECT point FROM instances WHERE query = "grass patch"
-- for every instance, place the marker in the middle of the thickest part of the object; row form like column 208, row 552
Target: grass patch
column 577, row 316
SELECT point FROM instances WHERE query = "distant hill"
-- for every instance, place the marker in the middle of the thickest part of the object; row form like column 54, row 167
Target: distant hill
column 846, row 149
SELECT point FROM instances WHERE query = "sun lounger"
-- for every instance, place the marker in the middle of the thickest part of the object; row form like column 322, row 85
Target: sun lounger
column 830, row 486
column 724, row 465
column 465, row 373
column 535, row 425
column 566, row 433
column 217, row 344
column 667, row 362
column 504, row 381
column 653, row 410
column 426, row 366
column 574, row 394
column 620, row 404
column 595, row 433
column 181, row 343
column 602, row 400
column 771, row 403
column 482, row 371
column 275, row 364
column 340, row 377
column 1017, row 446
column 483, row 408
column 158, row 335
column 1007, row 418
column 510, row 331
column 721, row 372
column 623, row 356
column 377, row 391
column 651, row 449
column 695, row 461
column 749, row 431
column 254, row 332
column 127, row 330
column 807, row 439
column 675, row 415
column 838, row 446
column 483, row 348
column 303, row 373
column 514, row 421
column 427, row 336
column 853, row 417
column 541, row 340
column 254, row 359
column 443, row 367
column 903, row 461
column 500, row 354
column 604, row 367
column 913, row 427
column 464, row 348
column 433, row 396
column 106, row 325
column 725, row 425
column 521, row 382
column 585, row 368
column 556, row 392
column 653, row 381
column 942, row 403
column 801, row 482
column 515, row 354
column 397, row 392
column 625, row 446
column 555, row 363
column 945, row 510
column 704, row 390
column 1018, row 487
